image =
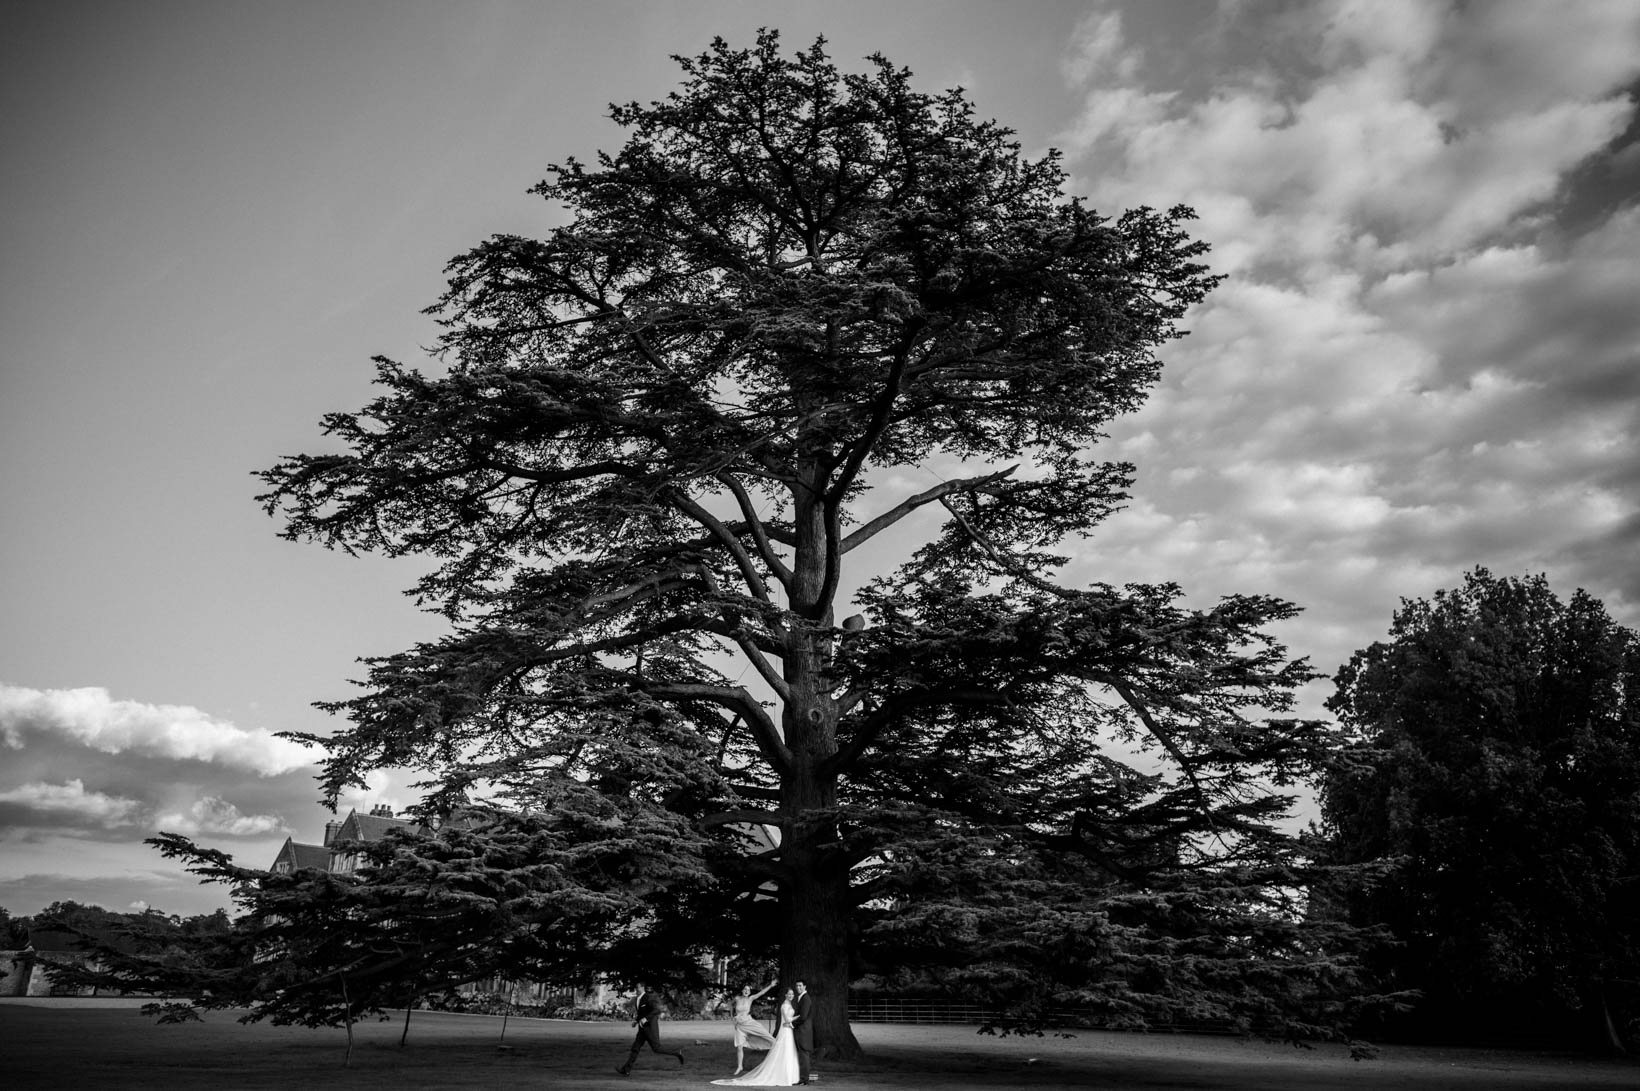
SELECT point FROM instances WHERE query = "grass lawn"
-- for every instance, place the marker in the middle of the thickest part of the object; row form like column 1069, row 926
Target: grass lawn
column 69, row 1044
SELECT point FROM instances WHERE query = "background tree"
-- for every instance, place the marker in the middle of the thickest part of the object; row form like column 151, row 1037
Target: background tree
column 546, row 897
column 671, row 443
column 13, row 931
column 167, row 943
column 68, row 915
column 1499, row 767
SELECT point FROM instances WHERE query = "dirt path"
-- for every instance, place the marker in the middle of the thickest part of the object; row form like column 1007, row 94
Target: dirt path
column 59, row 1046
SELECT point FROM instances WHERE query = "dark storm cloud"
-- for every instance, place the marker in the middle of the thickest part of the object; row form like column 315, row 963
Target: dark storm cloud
column 1606, row 182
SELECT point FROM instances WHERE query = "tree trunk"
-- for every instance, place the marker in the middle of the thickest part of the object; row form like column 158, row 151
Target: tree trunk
column 816, row 952
column 816, row 903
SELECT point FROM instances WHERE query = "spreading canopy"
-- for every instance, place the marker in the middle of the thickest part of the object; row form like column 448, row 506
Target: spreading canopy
column 803, row 327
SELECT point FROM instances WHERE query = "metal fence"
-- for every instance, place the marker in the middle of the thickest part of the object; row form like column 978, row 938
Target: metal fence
column 878, row 1010
column 863, row 1009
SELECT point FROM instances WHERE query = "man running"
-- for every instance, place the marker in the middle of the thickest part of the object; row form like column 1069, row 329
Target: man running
column 648, row 1023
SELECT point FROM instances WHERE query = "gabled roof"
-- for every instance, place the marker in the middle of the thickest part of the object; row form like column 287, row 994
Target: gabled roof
column 300, row 856
column 368, row 827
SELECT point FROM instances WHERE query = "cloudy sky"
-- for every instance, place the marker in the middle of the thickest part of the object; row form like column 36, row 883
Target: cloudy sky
column 213, row 213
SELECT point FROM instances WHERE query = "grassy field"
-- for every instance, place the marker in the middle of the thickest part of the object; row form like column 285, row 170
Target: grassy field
column 65, row 1044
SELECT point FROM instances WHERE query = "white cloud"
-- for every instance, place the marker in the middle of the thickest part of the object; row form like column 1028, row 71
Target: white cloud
column 1409, row 371
column 1099, row 51
column 72, row 800
column 389, row 786
column 92, row 718
column 1399, row 153
column 211, row 815
column 71, row 808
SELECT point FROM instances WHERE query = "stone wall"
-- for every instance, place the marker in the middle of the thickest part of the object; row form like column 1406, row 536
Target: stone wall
column 18, row 966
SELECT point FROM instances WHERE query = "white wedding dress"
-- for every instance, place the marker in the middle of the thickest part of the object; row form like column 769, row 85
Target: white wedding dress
column 779, row 1068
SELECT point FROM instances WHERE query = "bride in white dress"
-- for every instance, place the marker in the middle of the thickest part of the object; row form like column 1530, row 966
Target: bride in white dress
column 779, row 1068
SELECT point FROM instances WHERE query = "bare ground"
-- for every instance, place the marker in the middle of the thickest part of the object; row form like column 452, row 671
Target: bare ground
column 69, row 1044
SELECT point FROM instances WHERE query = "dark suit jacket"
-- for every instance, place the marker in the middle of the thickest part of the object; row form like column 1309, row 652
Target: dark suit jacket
column 802, row 1029
column 649, row 1013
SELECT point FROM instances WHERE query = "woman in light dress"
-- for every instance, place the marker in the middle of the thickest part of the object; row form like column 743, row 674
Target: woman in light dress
column 748, row 1031
column 779, row 1068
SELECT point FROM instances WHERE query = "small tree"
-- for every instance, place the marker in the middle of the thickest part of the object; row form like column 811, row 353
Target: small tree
column 666, row 439
column 1498, row 767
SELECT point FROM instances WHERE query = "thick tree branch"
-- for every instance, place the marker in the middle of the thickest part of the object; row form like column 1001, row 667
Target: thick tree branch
column 888, row 518
column 754, row 524
column 559, row 477
column 1131, row 699
column 833, row 555
column 726, row 538
column 881, row 409
column 626, row 595
column 737, row 700
column 737, row 632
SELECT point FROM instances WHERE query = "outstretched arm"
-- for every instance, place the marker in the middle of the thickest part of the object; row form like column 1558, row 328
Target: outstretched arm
column 763, row 990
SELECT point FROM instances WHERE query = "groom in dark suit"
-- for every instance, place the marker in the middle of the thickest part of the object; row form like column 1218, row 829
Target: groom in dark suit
column 803, row 1030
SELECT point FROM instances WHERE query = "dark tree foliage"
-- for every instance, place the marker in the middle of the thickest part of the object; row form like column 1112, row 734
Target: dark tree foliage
column 545, row 898
column 149, row 929
column 168, row 944
column 71, row 916
column 1498, row 767
column 671, row 445
column 13, row 931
